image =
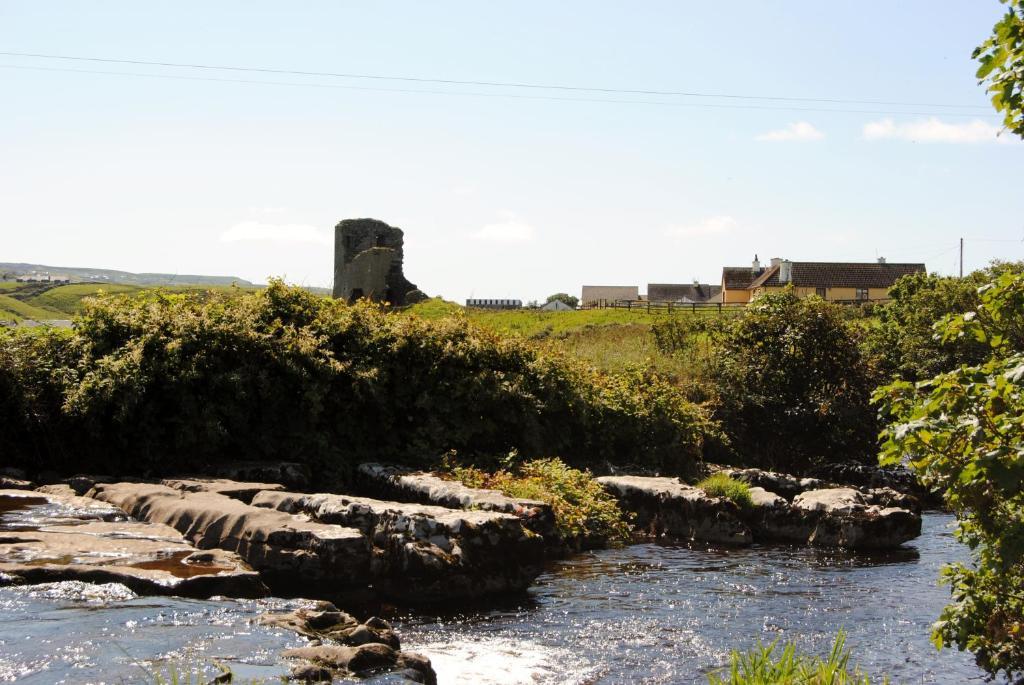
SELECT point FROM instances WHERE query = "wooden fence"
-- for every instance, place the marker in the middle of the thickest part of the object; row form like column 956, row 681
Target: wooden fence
column 710, row 307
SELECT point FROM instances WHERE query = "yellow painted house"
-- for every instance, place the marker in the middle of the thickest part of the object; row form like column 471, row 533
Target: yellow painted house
column 833, row 281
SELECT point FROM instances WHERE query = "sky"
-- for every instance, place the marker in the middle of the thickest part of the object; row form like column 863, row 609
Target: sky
column 502, row 191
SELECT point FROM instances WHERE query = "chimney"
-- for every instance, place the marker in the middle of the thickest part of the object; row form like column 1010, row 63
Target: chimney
column 775, row 261
column 785, row 271
column 881, row 260
column 755, row 267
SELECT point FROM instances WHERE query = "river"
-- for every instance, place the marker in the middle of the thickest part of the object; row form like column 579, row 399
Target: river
column 643, row 614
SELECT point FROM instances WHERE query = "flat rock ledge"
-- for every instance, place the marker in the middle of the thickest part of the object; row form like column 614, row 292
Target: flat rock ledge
column 394, row 483
column 791, row 487
column 827, row 517
column 56, row 536
column 664, row 507
column 285, row 549
column 425, row 552
column 242, row 491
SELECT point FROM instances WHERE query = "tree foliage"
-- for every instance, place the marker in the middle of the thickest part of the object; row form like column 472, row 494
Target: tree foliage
column 1001, row 66
column 793, row 387
column 568, row 299
column 172, row 382
column 963, row 433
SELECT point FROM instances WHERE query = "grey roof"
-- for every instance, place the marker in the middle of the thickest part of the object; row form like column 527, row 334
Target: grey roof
column 682, row 292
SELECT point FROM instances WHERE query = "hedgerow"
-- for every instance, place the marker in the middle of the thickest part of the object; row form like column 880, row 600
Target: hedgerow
column 170, row 382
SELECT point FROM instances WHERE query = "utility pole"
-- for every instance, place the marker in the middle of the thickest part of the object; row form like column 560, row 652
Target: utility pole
column 961, row 258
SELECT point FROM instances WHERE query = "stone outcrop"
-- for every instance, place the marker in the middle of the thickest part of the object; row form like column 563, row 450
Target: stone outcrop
column 391, row 482
column 425, row 552
column 323, row 663
column 54, row 536
column 780, row 483
column 242, row 491
column 844, row 518
column 292, row 475
column 868, row 479
column 368, row 257
column 355, row 649
column 826, row 517
column 324, row 621
column 285, row 549
column 664, row 507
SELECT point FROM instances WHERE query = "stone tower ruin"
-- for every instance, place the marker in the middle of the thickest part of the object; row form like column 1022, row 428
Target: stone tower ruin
column 368, row 263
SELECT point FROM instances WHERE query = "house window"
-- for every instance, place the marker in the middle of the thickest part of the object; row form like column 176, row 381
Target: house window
column 820, row 292
column 862, row 293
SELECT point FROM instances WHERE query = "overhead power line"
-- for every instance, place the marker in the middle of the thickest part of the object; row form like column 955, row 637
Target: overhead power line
column 496, row 84
column 423, row 91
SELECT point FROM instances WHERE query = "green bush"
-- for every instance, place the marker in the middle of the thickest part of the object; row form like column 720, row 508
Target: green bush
column 962, row 433
column 793, row 389
column 584, row 511
column 767, row 665
column 170, row 382
column 726, row 487
column 904, row 344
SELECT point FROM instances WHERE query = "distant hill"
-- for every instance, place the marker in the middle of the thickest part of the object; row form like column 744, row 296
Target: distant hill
column 9, row 271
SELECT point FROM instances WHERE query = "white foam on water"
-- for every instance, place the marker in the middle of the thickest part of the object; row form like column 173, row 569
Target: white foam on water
column 77, row 591
column 464, row 660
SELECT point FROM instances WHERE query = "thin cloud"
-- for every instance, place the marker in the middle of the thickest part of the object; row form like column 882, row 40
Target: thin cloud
column 255, row 231
column 510, row 231
column 798, row 130
column 711, row 226
column 932, row 130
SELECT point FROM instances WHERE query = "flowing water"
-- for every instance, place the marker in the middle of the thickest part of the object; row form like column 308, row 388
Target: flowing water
column 644, row 614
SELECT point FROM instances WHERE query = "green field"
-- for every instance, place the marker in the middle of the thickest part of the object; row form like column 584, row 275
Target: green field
column 610, row 339
column 39, row 301
column 532, row 323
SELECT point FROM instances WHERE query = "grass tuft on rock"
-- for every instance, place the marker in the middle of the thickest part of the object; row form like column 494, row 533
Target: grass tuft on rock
column 726, row 487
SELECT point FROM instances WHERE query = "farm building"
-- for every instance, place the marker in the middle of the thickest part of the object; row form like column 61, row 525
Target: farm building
column 683, row 292
column 598, row 294
column 485, row 303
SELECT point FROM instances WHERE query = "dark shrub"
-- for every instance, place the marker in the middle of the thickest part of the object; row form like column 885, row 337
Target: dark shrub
column 172, row 382
column 794, row 390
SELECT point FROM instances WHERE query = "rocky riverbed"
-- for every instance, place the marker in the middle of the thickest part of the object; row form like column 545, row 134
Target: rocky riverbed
column 437, row 542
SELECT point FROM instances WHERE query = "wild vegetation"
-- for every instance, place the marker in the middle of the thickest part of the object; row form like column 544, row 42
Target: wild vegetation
column 963, row 433
column 584, row 512
column 721, row 485
column 770, row 665
column 165, row 381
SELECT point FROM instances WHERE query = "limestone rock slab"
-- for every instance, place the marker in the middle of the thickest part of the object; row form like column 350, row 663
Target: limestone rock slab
column 666, row 507
column 283, row 547
column 426, row 552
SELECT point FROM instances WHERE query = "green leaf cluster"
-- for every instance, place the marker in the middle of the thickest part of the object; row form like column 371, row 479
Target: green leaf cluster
column 1001, row 66
column 962, row 432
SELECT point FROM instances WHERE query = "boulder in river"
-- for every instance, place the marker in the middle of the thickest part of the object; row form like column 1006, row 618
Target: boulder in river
column 664, row 507
column 321, row 663
column 844, row 518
